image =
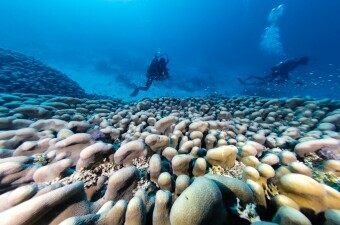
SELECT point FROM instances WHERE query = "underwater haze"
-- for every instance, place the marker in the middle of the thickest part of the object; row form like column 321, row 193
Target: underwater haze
column 106, row 45
column 169, row 112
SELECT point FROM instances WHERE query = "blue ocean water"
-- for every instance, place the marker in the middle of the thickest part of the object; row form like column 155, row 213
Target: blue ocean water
column 107, row 45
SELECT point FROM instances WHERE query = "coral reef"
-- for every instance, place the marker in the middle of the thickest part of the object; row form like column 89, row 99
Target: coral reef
column 235, row 171
column 330, row 153
column 20, row 73
column 199, row 161
column 24, row 74
column 89, row 177
column 249, row 212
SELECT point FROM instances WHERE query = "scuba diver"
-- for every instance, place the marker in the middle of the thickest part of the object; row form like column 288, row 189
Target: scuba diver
column 157, row 71
column 279, row 73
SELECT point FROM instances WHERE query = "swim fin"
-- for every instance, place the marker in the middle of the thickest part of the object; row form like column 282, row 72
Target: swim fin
column 134, row 93
column 241, row 81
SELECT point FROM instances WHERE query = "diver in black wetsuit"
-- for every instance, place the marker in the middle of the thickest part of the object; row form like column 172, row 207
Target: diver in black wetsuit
column 156, row 71
column 279, row 73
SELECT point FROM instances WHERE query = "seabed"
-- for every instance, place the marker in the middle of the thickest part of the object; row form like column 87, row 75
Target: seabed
column 242, row 160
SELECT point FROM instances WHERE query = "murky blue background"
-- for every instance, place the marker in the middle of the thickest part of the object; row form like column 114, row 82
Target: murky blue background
column 106, row 45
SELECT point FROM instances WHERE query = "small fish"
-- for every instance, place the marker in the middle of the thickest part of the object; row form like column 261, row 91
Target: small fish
column 299, row 83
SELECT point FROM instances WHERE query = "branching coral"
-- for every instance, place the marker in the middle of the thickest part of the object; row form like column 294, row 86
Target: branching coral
column 313, row 159
column 327, row 178
column 271, row 191
column 249, row 212
column 90, row 177
column 143, row 166
column 143, row 183
column 40, row 160
column 235, row 171
column 141, row 163
column 107, row 169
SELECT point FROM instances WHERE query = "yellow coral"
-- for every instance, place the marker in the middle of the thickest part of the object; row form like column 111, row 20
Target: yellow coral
column 271, row 191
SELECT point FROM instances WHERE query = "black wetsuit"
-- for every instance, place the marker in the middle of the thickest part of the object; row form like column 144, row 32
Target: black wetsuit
column 279, row 73
column 156, row 71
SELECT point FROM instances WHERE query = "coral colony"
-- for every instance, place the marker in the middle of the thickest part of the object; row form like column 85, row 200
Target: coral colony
column 68, row 160
column 27, row 75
